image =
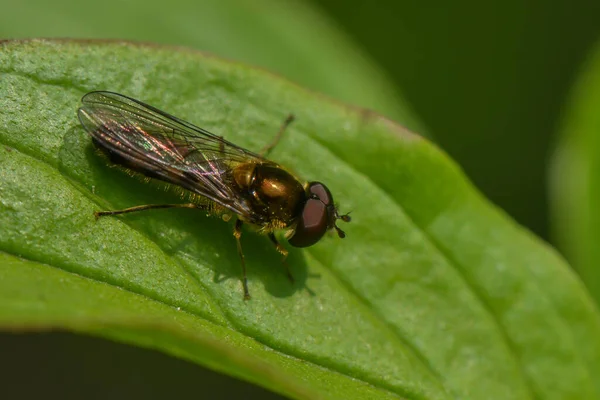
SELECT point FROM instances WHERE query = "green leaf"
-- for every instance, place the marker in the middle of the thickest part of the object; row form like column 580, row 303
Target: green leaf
column 434, row 294
column 575, row 177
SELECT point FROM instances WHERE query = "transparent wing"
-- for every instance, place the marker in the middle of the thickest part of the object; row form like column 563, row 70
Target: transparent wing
column 165, row 147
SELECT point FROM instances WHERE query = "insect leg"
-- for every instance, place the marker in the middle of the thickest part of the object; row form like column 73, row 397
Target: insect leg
column 237, row 232
column 265, row 150
column 99, row 214
column 283, row 252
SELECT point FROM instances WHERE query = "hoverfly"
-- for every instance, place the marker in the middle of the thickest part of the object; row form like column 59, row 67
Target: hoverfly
column 218, row 176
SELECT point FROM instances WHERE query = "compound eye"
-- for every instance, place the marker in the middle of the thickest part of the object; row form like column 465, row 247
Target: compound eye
column 312, row 224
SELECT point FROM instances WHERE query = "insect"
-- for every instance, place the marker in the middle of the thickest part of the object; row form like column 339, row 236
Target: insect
column 218, row 176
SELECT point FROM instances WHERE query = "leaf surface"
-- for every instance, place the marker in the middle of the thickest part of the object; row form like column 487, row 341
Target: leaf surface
column 434, row 294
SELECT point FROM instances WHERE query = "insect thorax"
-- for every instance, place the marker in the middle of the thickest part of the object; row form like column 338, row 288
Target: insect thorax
column 275, row 196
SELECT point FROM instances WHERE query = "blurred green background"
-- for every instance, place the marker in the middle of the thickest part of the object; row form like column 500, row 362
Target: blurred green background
column 487, row 81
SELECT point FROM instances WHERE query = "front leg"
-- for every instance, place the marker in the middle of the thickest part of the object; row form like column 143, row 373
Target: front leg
column 283, row 252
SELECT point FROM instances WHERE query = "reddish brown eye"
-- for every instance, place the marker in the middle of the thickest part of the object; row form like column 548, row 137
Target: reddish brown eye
column 312, row 225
